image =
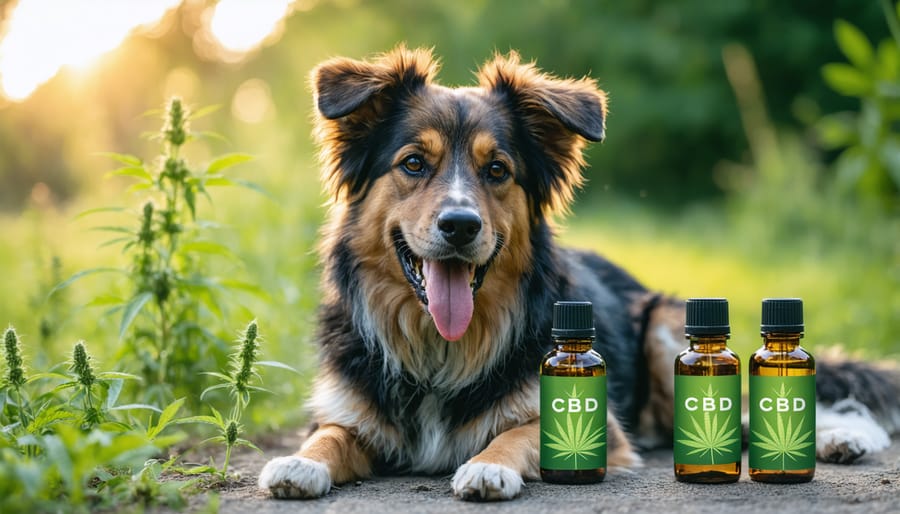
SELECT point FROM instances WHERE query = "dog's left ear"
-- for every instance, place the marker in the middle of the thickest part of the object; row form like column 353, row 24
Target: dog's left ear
column 558, row 117
column 352, row 98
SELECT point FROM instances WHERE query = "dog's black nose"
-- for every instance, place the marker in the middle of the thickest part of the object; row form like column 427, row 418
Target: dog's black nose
column 459, row 226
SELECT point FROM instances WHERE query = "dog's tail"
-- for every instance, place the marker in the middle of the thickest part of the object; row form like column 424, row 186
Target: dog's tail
column 878, row 388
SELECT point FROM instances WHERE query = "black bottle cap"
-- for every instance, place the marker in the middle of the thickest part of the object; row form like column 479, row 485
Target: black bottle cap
column 782, row 315
column 707, row 317
column 573, row 320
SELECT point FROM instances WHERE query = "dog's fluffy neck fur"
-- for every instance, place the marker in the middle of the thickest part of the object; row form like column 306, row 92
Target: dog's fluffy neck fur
column 403, row 336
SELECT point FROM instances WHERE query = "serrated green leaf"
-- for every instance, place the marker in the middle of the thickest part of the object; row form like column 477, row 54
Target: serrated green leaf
column 212, row 388
column 218, row 181
column 190, row 198
column 248, row 444
column 140, row 186
column 129, row 160
column 113, row 228
column 104, row 300
column 854, row 44
column 226, row 161
column 276, row 364
column 116, row 240
column 81, row 274
column 846, row 79
column 131, row 171
column 97, row 210
column 136, row 406
column 253, row 186
column 132, row 309
column 209, row 135
column 244, row 286
column 204, row 111
column 207, row 247
column 118, row 375
column 165, row 418
column 112, row 395
column 208, row 420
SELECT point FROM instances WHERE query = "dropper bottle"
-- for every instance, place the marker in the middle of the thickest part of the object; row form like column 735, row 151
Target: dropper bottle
column 782, row 398
column 707, row 430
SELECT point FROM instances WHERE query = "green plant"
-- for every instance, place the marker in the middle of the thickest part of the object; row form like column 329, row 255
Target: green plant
column 71, row 442
column 13, row 380
column 868, row 139
column 174, row 298
column 239, row 382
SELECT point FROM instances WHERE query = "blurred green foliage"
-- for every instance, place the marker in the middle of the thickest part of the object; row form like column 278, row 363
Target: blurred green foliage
column 869, row 139
column 673, row 117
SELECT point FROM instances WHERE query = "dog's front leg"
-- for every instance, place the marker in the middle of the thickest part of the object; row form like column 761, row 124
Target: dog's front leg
column 330, row 455
column 497, row 472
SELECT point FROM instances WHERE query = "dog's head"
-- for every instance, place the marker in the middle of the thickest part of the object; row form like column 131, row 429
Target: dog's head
column 447, row 182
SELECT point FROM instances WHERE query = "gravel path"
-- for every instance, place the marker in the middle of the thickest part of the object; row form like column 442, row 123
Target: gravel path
column 871, row 486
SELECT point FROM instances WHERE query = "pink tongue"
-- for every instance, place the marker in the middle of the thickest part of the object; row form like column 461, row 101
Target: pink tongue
column 449, row 296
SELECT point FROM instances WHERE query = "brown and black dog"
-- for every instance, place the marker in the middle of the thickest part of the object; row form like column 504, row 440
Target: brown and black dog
column 440, row 272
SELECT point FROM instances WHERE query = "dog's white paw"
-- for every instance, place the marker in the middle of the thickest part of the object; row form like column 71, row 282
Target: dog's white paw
column 295, row 477
column 846, row 431
column 486, row 482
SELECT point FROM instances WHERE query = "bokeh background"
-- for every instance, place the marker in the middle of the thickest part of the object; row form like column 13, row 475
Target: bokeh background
column 753, row 149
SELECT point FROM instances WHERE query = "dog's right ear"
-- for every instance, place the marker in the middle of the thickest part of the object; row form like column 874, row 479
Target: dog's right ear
column 352, row 97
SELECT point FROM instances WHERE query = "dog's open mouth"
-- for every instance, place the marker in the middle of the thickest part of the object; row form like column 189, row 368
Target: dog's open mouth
column 446, row 287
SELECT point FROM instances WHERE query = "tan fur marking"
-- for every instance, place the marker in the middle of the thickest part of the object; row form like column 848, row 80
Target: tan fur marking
column 483, row 147
column 432, row 144
column 620, row 453
column 517, row 449
column 665, row 332
column 337, row 448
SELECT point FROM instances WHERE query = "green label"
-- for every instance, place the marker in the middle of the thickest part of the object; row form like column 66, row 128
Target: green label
column 782, row 423
column 573, row 422
column 707, row 419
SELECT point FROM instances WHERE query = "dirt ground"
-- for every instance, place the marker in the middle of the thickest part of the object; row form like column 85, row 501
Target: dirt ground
column 871, row 486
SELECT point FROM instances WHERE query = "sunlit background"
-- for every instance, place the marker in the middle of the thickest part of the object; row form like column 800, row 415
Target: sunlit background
column 43, row 36
column 737, row 163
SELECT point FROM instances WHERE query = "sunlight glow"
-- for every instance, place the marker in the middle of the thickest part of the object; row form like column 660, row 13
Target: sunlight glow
column 45, row 35
column 241, row 25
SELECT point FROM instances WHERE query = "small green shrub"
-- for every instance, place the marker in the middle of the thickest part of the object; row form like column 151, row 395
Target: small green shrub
column 239, row 381
column 174, row 299
column 69, row 442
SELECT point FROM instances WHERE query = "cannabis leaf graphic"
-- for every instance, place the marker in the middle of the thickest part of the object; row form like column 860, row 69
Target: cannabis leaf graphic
column 786, row 441
column 576, row 440
column 710, row 438
column 782, row 393
column 574, row 393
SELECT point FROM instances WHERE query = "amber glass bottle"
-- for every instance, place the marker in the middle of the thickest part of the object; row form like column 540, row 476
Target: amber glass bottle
column 573, row 400
column 707, row 431
column 782, row 398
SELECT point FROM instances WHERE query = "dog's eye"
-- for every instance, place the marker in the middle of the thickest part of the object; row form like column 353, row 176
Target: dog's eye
column 497, row 171
column 413, row 165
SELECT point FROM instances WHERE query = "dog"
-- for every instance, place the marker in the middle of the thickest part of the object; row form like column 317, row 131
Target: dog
column 439, row 275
